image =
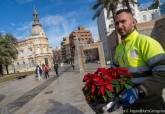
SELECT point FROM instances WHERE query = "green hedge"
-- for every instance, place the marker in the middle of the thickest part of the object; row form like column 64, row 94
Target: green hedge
column 14, row 76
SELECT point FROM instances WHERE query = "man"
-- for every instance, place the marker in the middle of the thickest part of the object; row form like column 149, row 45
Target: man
column 145, row 58
column 72, row 64
column 56, row 68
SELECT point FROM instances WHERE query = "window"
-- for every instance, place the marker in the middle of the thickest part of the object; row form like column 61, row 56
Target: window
column 32, row 61
column 144, row 17
column 112, row 21
column 154, row 16
column 36, row 40
column 30, row 49
column 21, row 51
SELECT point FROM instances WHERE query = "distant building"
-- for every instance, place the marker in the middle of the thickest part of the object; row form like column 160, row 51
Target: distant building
column 65, row 50
column 82, row 35
column 57, row 55
column 106, row 26
column 34, row 50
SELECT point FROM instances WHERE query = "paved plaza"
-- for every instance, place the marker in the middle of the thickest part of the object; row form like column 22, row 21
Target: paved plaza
column 57, row 95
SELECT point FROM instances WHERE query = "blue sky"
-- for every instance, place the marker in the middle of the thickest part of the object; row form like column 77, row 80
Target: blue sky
column 58, row 17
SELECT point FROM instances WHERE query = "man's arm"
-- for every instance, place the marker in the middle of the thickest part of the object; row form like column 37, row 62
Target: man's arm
column 154, row 56
column 155, row 84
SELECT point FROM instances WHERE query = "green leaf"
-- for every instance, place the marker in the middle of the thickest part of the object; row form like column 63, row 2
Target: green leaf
column 118, row 88
column 130, row 83
column 105, row 99
column 127, row 86
column 122, row 86
column 108, row 93
column 115, row 82
column 97, row 87
column 88, row 93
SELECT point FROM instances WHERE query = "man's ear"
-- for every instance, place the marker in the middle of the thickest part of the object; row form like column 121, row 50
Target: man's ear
column 134, row 21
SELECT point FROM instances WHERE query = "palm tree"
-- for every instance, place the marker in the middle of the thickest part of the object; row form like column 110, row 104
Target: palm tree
column 7, row 51
column 111, row 6
column 154, row 5
column 127, row 4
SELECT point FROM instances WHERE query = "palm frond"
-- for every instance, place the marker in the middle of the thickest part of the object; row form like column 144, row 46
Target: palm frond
column 95, row 6
column 98, row 12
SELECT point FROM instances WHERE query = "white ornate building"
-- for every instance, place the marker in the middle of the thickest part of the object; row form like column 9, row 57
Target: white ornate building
column 34, row 50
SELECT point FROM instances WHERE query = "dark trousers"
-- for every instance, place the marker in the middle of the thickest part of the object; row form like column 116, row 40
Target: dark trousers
column 149, row 105
column 73, row 67
column 46, row 75
column 56, row 70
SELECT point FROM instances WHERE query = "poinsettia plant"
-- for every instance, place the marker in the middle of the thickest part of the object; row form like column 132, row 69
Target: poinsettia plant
column 102, row 84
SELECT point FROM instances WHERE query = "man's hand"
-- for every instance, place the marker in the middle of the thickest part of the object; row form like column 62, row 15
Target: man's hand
column 129, row 96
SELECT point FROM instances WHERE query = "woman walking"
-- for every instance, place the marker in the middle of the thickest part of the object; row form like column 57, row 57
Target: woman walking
column 38, row 72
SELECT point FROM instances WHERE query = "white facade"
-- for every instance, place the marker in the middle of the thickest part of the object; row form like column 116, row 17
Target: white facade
column 106, row 25
column 147, row 15
column 103, row 28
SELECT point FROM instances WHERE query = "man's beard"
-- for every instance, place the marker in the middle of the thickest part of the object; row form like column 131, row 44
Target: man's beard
column 125, row 35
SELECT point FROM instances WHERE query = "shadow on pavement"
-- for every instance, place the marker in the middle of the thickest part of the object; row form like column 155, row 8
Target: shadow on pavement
column 2, row 97
column 59, row 108
column 15, row 105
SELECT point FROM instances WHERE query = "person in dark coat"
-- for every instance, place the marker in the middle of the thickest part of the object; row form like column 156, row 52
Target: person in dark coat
column 56, row 68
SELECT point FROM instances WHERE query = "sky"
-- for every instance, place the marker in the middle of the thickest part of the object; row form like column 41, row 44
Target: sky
column 58, row 17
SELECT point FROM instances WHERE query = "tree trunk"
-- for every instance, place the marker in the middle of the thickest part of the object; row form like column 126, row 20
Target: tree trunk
column 1, row 70
column 128, row 5
column 7, row 70
column 14, row 68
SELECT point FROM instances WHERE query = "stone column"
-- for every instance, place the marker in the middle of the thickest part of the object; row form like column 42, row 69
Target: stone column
column 101, row 55
column 80, row 58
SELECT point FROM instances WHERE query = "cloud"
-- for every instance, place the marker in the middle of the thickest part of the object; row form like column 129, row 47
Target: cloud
column 21, row 32
column 12, row 24
column 57, row 27
column 146, row 4
column 2, row 31
column 94, row 30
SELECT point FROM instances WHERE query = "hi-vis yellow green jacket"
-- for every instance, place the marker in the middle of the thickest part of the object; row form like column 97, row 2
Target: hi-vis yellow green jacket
column 145, row 58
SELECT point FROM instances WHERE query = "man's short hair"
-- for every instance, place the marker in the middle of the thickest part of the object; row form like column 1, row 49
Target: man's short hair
column 123, row 10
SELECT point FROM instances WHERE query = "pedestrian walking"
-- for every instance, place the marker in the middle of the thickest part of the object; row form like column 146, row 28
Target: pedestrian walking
column 56, row 68
column 72, row 66
column 43, row 72
column 145, row 58
column 38, row 72
column 46, row 70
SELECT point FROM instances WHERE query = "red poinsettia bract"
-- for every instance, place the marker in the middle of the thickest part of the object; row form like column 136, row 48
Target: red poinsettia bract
column 101, row 82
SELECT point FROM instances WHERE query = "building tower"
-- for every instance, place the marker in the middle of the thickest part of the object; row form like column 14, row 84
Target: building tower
column 36, row 26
